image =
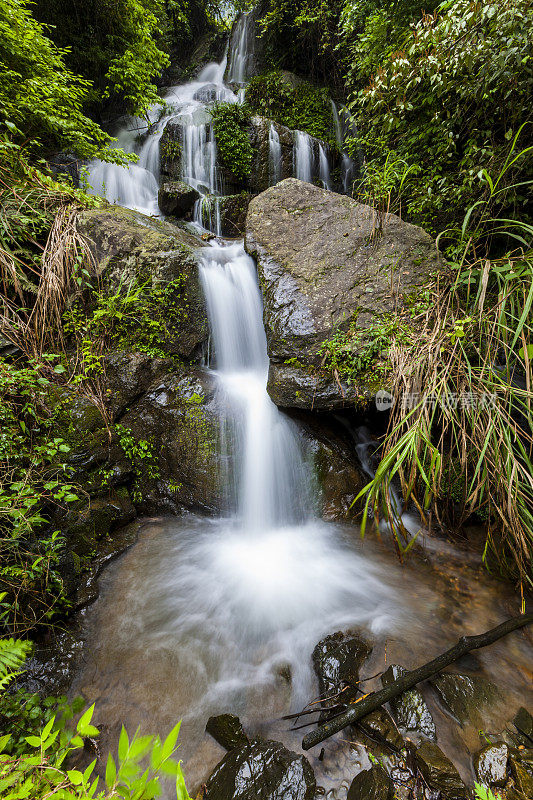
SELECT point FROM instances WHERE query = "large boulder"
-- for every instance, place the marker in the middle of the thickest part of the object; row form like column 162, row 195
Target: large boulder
column 131, row 249
column 326, row 267
column 176, row 198
column 261, row 771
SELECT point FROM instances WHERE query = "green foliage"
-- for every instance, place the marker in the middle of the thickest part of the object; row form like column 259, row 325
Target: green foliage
column 13, row 654
column 40, row 99
column 42, row 769
column 473, row 419
column 300, row 106
column 303, row 36
column 231, row 123
column 431, row 105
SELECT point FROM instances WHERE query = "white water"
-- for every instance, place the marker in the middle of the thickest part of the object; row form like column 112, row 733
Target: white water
column 303, row 156
column 274, row 155
column 242, row 49
column 323, row 167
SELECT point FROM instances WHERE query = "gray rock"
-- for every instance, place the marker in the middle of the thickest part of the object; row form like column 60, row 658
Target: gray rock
column 466, row 697
column 226, row 729
column 491, row 764
column 337, row 660
column 410, row 709
column 130, row 247
column 261, row 771
column 232, row 210
column 371, row 784
column 262, row 173
column 177, row 198
column 439, row 772
column 325, row 267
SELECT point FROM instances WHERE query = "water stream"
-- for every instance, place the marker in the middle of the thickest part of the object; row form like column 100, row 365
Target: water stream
column 205, row 616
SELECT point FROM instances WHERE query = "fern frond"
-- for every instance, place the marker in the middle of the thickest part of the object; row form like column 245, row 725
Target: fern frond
column 13, row 654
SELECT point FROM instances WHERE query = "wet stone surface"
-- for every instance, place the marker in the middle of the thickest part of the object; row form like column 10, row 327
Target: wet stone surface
column 226, row 729
column 491, row 764
column 439, row 772
column 410, row 709
column 380, row 727
column 466, row 697
column 371, row 784
column 337, row 660
column 261, row 771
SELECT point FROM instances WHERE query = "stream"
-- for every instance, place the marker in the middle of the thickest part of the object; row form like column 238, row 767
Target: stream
column 204, row 616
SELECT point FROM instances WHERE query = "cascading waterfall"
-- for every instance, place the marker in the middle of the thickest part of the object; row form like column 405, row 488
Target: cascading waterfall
column 303, row 156
column 274, row 155
column 323, row 167
column 242, row 54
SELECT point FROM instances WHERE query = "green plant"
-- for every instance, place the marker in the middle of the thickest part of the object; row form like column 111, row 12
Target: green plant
column 484, row 793
column 463, row 392
column 13, row 654
column 231, row 124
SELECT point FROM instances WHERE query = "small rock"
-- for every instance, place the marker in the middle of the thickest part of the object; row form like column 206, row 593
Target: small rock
column 523, row 779
column 337, row 660
column 177, row 198
column 439, row 772
column 410, row 709
column 523, row 722
column 379, row 725
column 465, row 696
column 226, row 729
column 491, row 764
column 261, row 771
column 371, row 784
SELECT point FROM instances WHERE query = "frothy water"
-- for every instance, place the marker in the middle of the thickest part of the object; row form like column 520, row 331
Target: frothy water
column 303, row 156
column 274, row 155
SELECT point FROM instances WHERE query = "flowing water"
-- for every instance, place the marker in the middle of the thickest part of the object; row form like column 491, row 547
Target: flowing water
column 303, row 156
column 204, row 616
column 274, row 155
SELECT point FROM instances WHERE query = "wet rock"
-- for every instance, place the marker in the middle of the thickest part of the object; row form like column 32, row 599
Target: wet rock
column 129, row 376
column 371, row 784
column 179, row 416
column 491, row 764
column 337, row 660
column 325, row 268
column 410, row 709
column 226, row 729
column 177, row 198
column 230, row 210
column 129, row 247
column 466, row 697
column 439, row 772
column 523, row 722
column 380, row 727
column 262, row 173
column 261, row 771
column 522, row 776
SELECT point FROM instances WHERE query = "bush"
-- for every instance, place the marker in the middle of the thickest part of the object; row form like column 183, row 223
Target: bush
column 231, row 124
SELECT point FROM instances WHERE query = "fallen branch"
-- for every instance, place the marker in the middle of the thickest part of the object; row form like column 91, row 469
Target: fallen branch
column 371, row 702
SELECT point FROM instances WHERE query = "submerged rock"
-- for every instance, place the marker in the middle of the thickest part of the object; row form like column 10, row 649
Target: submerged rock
column 439, row 772
column 226, row 729
column 326, row 267
column 410, row 709
column 380, row 726
column 491, row 764
column 465, row 697
column 337, row 660
column 371, row 784
column 523, row 722
column 261, row 771
column 177, row 198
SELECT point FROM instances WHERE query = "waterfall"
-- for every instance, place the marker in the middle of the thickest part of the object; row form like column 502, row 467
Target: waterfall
column 303, row 156
column 323, row 166
column 274, row 155
column 272, row 485
column 242, row 49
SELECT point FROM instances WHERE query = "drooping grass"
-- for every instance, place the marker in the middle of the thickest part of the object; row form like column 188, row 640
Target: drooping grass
column 460, row 440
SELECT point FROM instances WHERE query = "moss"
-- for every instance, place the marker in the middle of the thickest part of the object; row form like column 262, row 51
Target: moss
column 298, row 105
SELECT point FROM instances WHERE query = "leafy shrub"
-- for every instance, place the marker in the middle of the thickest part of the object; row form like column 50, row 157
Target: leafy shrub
column 301, row 106
column 231, row 124
column 432, row 104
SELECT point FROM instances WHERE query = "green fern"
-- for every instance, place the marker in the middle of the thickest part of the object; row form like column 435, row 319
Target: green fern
column 13, row 654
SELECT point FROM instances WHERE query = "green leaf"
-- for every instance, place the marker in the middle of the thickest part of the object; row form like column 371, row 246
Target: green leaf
column 75, row 776
column 123, row 744
column 110, row 771
column 85, row 719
